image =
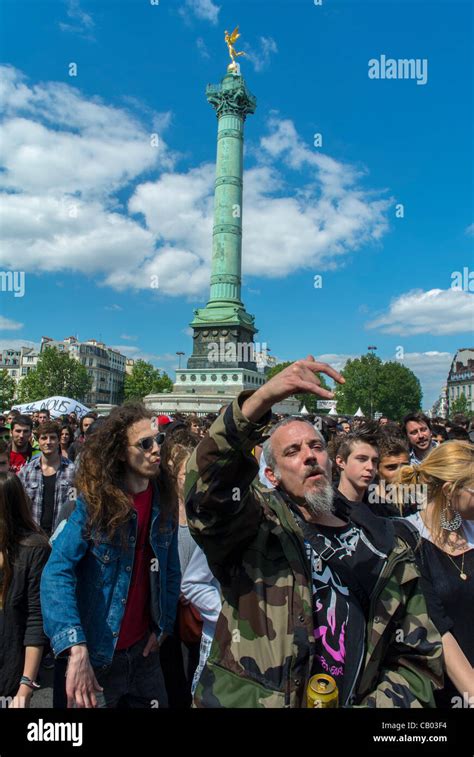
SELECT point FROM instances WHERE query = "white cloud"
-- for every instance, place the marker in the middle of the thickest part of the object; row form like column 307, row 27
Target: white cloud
column 204, row 10
column 137, row 353
column 284, row 229
column 470, row 230
column 335, row 360
column 436, row 311
column 260, row 58
column 39, row 231
column 128, row 337
column 113, row 307
column 202, row 48
column 425, row 364
column 17, row 344
column 127, row 349
column 168, row 357
column 66, row 156
column 55, row 141
column 432, row 369
column 7, row 325
column 84, row 22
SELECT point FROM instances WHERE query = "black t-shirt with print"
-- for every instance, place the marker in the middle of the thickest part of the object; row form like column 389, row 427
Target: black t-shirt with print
column 336, row 598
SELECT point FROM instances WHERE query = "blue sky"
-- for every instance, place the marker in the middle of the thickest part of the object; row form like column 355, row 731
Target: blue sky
column 91, row 210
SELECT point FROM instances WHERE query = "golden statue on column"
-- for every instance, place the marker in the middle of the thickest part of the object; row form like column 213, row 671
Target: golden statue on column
column 230, row 41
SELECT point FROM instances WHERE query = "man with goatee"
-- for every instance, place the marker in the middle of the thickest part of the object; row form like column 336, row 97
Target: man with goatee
column 305, row 592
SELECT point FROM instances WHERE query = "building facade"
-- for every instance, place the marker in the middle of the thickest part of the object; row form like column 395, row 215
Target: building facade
column 461, row 378
column 104, row 365
column 440, row 407
column 129, row 364
column 18, row 363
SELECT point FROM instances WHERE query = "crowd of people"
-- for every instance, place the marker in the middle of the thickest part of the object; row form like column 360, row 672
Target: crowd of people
column 223, row 561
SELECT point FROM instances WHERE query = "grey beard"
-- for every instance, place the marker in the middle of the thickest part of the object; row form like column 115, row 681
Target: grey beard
column 320, row 500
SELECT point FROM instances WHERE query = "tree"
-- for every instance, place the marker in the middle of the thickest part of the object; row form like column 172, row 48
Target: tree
column 7, row 390
column 145, row 379
column 55, row 374
column 460, row 405
column 389, row 388
column 307, row 399
column 400, row 391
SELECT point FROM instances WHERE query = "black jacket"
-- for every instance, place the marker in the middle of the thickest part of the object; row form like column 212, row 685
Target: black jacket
column 21, row 622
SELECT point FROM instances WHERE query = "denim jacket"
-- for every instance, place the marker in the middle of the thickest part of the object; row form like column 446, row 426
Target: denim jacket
column 85, row 583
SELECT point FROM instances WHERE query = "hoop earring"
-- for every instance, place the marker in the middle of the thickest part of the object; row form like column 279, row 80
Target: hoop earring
column 452, row 524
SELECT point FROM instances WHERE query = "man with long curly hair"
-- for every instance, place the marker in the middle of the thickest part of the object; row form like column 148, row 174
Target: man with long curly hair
column 110, row 589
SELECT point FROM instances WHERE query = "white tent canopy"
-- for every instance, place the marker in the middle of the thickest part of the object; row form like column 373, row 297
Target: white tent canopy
column 359, row 413
column 56, row 405
column 303, row 411
column 332, row 411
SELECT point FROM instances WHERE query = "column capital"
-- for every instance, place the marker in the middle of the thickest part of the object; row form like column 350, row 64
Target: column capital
column 231, row 97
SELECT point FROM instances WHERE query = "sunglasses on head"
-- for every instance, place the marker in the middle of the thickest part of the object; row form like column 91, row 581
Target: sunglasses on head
column 146, row 444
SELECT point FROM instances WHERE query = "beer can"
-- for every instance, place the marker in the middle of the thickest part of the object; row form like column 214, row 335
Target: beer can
column 322, row 691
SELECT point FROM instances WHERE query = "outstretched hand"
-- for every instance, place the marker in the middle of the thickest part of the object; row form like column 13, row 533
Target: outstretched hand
column 297, row 378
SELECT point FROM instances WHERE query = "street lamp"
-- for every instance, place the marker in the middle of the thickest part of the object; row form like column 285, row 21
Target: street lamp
column 372, row 348
column 179, row 354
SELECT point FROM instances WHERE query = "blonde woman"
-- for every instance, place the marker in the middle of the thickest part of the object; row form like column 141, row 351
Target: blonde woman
column 446, row 558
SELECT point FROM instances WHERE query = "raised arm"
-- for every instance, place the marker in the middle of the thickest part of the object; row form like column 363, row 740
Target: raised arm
column 223, row 508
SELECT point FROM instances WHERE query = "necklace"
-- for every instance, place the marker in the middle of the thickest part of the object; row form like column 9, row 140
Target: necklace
column 462, row 575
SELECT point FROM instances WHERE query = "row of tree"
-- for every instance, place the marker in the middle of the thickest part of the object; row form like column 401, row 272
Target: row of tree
column 389, row 388
column 58, row 374
column 374, row 386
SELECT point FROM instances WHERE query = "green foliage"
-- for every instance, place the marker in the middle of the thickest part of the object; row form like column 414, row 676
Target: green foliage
column 307, row 399
column 400, row 391
column 7, row 390
column 389, row 388
column 145, row 379
column 55, row 374
column 460, row 405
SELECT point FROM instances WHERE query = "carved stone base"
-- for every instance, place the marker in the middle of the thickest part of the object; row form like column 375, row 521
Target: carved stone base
column 223, row 347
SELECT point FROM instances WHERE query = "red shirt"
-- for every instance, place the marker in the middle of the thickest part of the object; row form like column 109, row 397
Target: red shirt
column 17, row 461
column 136, row 619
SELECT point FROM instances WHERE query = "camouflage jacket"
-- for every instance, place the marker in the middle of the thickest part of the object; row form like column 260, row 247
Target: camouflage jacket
column 263, row 647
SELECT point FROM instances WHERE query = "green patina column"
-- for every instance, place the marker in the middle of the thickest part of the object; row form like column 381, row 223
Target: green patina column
column 225, row 317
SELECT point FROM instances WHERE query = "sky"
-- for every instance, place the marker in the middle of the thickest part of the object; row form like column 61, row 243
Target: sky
column 108, row 156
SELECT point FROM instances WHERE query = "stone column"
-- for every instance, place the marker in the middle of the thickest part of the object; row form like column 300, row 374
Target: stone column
column 232, row 102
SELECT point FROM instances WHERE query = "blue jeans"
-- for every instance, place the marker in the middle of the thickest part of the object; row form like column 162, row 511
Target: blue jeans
column 132, row 680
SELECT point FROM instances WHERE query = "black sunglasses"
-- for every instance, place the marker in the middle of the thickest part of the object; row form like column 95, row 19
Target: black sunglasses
column 146, row 444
